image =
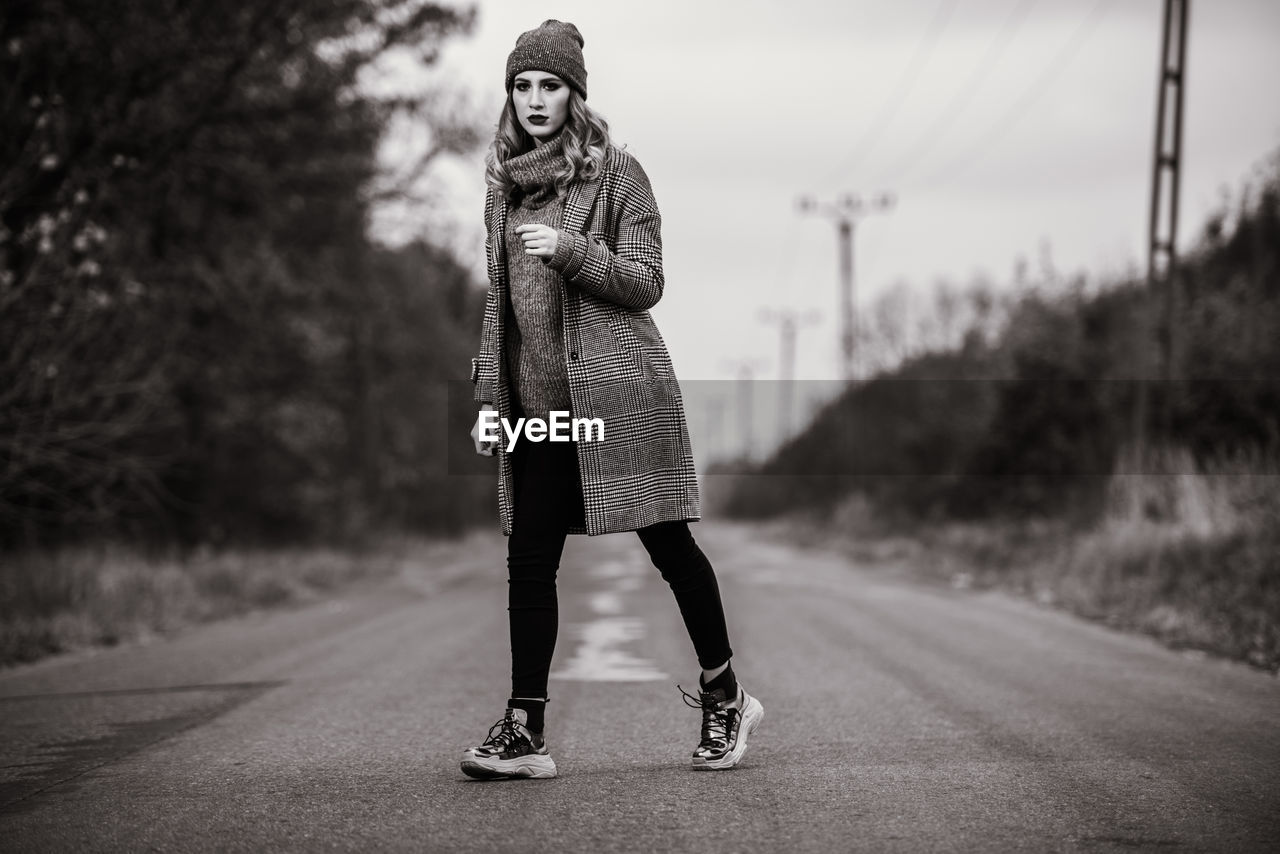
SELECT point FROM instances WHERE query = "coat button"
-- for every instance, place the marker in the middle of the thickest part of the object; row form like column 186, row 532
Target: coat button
column 573, row 357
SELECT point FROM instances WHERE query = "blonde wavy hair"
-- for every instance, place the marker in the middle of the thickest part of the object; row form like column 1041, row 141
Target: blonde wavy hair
column 586, row 142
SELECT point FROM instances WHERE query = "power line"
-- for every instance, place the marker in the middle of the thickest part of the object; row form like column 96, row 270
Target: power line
column 890, row 106
column 995, row 49
column 1020, row 107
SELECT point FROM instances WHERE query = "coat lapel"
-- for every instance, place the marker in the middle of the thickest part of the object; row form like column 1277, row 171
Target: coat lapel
column 578, row 203
column 497, row 236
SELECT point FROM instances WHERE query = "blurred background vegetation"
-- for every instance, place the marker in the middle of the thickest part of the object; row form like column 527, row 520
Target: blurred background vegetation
column 202, row 344
column 1030, row 393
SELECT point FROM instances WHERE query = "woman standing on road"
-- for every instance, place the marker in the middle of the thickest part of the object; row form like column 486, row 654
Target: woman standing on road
column 574, row 256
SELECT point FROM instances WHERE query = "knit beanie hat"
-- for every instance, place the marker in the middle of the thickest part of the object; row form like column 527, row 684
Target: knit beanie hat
column 556, row 48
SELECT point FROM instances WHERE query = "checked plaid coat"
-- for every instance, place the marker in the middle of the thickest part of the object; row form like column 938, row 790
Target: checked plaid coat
column 619, row 369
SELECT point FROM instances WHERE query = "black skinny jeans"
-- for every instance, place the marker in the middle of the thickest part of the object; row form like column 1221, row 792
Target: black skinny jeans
column 548, row 499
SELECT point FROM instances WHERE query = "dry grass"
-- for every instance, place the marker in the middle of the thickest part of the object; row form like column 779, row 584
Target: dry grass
column 53, row 602
column 1189, row 556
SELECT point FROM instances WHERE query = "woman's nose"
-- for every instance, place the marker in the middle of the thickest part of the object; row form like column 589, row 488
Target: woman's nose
column 535, row 98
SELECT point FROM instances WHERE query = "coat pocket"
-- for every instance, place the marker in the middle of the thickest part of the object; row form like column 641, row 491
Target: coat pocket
column 652, row 347
column 630, row 348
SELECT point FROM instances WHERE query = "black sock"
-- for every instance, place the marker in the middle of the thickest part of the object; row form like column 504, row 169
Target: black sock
column 725, row 681
column 535, row 710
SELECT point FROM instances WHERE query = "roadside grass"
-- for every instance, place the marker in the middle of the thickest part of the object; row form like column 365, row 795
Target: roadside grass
column 52, row 602
column 1189, row 557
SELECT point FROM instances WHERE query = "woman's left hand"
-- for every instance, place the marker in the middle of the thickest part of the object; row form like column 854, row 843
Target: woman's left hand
column 539, row 240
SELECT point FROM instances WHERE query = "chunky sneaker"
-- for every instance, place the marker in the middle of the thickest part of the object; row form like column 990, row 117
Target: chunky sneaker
column 511, row 750
column 725, row 727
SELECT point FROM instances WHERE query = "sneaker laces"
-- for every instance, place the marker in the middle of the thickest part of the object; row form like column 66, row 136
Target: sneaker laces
column 717, row 720
column 506, row 733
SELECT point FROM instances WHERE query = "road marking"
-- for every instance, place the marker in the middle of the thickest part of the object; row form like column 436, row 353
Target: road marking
column 599, row 655
column 606, row 602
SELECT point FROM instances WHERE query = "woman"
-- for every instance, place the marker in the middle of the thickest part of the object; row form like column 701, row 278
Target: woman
column 575, row 261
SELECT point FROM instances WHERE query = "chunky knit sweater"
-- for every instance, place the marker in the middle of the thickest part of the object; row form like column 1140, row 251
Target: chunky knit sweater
column 534, row 346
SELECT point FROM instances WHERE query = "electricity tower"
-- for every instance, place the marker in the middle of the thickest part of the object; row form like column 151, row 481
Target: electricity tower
column 1162, row 252
column 845, row 212
column 1162, row 258
column 789, row 322
column 745, row 369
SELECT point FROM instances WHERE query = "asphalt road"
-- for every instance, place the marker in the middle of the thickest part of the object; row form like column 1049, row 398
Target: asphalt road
column 898, row 718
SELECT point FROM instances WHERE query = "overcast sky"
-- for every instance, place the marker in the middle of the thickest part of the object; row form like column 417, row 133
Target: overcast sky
column 998, row 125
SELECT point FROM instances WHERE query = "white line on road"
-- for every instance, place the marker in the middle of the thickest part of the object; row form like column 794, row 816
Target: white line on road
column 599, row 655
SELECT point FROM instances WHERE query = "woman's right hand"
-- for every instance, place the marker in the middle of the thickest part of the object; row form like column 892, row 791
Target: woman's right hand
column 483, row 448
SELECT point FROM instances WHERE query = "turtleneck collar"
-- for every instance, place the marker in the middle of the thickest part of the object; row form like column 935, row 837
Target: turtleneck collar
column 535, row 171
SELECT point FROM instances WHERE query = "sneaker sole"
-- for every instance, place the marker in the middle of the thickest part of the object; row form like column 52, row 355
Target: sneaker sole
column 752, row 714
column 526, row 767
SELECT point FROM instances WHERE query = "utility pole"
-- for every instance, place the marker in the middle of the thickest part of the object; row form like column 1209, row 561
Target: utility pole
column 845, row 211
column 789, row 322
column 745, row 370
column 1162, row 252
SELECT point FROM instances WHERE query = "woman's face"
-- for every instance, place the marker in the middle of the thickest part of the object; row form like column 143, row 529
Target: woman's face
column 542, row 103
